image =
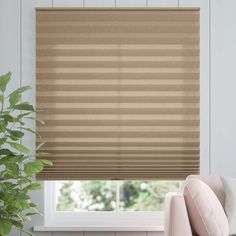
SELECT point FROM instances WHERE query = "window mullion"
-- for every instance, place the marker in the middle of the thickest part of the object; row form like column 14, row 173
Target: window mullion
column 117, row 195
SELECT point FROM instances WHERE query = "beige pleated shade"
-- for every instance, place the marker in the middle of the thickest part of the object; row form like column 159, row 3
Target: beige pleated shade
column 119, row 90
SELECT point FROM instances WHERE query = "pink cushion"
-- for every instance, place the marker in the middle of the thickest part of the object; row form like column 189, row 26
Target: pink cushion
column 215, row 183
column 205, row 211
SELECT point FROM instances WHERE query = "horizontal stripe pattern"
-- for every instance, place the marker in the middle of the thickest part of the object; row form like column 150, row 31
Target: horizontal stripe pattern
column 119, row 93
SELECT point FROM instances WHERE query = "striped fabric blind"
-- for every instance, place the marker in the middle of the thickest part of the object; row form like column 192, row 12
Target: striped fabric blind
column 120, row 92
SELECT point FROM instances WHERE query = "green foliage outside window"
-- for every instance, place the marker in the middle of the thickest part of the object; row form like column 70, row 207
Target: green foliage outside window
column 145, row 195
column 87, row 195
column 101, row 195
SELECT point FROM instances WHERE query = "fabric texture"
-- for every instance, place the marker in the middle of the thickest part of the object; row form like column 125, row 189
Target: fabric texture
column 215, row 183
column 230, row 202
column 176, row 216
column 205, row 211
column 119, row 90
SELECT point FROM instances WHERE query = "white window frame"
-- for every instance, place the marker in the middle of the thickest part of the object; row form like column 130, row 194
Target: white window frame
column 144, row 219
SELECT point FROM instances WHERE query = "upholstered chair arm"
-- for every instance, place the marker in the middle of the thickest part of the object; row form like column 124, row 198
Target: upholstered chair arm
column 176, row 216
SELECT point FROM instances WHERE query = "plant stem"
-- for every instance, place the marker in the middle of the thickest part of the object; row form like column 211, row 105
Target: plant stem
column 2, row 106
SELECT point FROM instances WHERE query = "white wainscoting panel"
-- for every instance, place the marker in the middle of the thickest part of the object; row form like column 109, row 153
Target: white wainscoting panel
column 10, row 41
column 131, row 233
column 68, row 3
column 155, row 233
column 67, row 234
column 99, row 233
column 97, row 3
column 40, row 3
column 131, row 3
column 162, row 3
column 43, row 234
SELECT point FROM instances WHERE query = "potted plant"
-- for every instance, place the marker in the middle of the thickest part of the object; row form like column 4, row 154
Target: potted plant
column 18, row 165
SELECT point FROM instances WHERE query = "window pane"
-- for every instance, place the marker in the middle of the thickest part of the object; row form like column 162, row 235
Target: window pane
column 145, row 195
column 86, row 195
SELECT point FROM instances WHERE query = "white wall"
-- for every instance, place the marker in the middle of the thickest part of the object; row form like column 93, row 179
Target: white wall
column 218, row 75
column 223, row 87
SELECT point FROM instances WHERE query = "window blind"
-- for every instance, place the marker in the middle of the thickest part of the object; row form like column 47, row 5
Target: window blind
column 119, row 90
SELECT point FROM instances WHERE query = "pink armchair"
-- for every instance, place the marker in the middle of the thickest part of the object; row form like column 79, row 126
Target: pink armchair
column 177, row 222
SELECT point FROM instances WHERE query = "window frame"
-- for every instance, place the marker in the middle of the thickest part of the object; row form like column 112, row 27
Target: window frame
column 147, row 219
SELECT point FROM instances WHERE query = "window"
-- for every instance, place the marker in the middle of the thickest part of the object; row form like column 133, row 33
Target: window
column 106, row 203
column 120, row 94
column 113, row 195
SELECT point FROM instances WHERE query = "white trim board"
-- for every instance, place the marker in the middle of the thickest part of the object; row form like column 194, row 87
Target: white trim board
column 96, row 228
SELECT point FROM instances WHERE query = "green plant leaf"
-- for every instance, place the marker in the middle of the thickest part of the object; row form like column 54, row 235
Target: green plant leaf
column 1, row 98
column 21, row 204
column 4, row 80
column 42, row 122
column 8, row 118
column 40, row 145
column 19, row 147
column 2, row 141
column 16, row 133
column 46, row 162
column 27, row 129
column 3, row 126
column 37, row 120
column 31, row 213
column 33, row 204
column 23, row 107
column 17, row 174
column 33, row 186
column 43, row 154
column 7, row 185
column 6, row 152
column 14, row 99
column 13, row 170
column 23, row 181
column 33, row 167
column 28, row 232
column 5, row 226
column 20, row 90
column 24, row 114
column 7, row 160
column 18, row 224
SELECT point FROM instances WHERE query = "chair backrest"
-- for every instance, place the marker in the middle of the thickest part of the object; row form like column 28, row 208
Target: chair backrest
column 215, row 183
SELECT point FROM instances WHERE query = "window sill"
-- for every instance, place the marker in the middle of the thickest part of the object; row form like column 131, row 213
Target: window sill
column 98, row 228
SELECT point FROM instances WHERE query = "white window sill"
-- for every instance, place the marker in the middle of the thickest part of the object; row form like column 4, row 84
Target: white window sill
column 98, row 228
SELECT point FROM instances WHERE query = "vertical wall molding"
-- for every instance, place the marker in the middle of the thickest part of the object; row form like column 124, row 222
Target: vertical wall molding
column 20, row 42
column 20, row 64
column 210, row 99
